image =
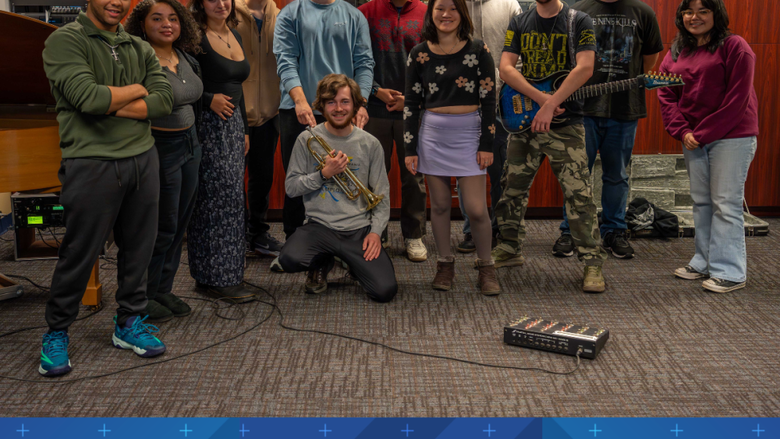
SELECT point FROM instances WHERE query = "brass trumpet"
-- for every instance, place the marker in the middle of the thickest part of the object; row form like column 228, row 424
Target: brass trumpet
column 343, row 179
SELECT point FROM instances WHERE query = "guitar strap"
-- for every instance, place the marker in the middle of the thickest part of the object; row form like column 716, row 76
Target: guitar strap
column 570, row 31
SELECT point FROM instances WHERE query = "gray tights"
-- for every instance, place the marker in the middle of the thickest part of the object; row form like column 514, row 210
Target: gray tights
column 473, row 195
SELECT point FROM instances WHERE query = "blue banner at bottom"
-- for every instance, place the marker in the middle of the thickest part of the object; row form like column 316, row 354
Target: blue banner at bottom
column 390, row 428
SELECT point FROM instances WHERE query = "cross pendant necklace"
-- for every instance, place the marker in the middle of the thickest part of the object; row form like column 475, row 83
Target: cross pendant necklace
column 113, row 50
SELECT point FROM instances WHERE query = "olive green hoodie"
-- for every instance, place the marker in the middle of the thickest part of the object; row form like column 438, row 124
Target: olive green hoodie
column 79, row 64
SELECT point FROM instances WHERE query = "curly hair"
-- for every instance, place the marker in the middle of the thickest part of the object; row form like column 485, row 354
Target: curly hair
column 720, row 29
column 328, row 88
column 199, row 13
column 465, row 28
column 189, row 39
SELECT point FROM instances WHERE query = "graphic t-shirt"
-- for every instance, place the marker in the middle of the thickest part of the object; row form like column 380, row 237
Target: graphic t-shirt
column 543, row 46
column 625, row 31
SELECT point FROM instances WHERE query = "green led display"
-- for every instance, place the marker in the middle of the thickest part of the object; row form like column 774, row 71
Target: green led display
column 34, row 220
column 58, row 208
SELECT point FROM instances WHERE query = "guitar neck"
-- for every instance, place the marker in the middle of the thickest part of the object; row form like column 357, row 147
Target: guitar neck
column 594, row 90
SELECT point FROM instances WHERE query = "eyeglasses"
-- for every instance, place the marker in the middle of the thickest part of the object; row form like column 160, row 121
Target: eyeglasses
column 702, row 13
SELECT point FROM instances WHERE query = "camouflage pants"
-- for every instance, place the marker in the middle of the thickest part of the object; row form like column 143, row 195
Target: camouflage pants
column 565, row 147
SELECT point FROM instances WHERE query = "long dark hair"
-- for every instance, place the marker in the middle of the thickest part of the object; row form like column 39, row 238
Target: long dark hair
column 189, row 39
column 719, row 32
column 196, row 6
column 465, row 28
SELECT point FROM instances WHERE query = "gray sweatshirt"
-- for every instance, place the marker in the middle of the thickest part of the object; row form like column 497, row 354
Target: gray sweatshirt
column 324, row 201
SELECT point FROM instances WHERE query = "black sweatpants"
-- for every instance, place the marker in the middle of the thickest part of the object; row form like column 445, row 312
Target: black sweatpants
column 314, row 245
column 98, row 196
column 260, row 168
column 180, row 154
column 293, row 213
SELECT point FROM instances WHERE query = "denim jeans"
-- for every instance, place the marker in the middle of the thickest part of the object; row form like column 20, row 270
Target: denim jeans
column 494, row 172
column 614, row 140
column 718, row 172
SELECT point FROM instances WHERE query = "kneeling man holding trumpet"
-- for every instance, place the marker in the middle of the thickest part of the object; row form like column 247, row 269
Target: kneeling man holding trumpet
column 343, row 189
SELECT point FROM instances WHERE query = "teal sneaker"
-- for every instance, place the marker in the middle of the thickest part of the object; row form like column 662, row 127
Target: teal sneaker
column 137, row 335
column 54, row 354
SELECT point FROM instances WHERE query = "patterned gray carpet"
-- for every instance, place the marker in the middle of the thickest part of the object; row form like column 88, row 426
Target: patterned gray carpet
column 675, row 350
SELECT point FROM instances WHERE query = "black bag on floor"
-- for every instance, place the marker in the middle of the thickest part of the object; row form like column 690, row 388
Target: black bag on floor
column 645, row 220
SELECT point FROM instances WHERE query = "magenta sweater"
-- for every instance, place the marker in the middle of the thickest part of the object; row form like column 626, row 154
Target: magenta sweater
column 718, row 100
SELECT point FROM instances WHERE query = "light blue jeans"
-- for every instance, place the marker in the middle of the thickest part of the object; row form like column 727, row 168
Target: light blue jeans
column 718, row 172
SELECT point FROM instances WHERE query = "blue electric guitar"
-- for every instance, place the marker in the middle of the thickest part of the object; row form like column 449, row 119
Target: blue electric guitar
column 516, row 111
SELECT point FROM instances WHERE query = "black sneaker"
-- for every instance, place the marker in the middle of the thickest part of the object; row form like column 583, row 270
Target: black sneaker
column 156, row 312
column 467, row 245
column 564, row 246
column 317, row 279
column 266, row 244
column 177, row 306
column 722, row 285
column 617, row 243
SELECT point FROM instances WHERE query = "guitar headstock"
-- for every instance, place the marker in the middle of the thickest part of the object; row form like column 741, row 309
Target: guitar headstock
column 657, row 80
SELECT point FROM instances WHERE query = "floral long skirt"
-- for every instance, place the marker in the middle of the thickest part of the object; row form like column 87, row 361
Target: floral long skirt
column 215, row 238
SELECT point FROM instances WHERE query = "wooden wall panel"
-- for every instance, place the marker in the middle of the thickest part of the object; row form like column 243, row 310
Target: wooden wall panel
column 763, row 184
column 755, row 20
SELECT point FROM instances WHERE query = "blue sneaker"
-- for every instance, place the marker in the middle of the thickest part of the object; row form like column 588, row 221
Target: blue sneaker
column 54, row 354
column 138, row 337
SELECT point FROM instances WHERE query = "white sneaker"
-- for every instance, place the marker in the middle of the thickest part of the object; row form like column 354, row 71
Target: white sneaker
column 415, row 250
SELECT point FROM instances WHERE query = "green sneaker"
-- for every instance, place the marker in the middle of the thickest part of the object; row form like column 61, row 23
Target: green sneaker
column 504, row 258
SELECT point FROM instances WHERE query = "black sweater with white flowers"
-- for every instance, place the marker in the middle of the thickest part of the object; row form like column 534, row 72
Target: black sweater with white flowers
column 462, row 78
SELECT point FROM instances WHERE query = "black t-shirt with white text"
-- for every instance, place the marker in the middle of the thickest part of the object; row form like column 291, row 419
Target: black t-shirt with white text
column 544, row 50
column 626, row 30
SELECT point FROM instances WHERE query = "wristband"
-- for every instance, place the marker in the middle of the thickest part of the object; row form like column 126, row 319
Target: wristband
column 322, row 176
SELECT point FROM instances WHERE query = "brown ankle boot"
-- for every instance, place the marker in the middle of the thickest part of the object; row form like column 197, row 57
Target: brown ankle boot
column 445, row 272
column 488, row 280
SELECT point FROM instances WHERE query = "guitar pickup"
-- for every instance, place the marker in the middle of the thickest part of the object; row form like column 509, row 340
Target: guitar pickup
column 517, row 104
column 529, row 104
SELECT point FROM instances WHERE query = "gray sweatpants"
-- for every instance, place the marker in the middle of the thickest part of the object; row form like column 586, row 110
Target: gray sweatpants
column 98, row 196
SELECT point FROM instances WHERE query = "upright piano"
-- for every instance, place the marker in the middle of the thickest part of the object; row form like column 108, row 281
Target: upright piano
column 29, row 141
